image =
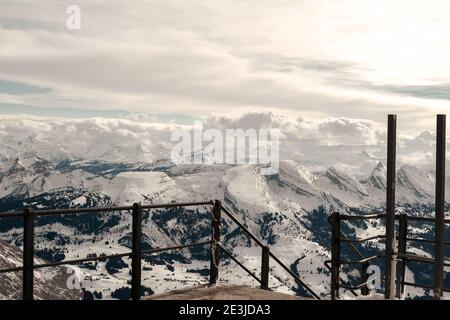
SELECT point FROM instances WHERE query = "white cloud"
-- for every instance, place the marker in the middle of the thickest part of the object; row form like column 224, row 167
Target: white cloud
column 315, row 143
column 313, row 58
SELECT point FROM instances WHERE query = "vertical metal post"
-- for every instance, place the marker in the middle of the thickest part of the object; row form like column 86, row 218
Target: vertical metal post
column 265, row 258
column 28, row 254
column 364, row 278
column 335, row 254
column 440, row 203
column 390, row 208
column 136, row 256
column 215, row 246
column 401, row 264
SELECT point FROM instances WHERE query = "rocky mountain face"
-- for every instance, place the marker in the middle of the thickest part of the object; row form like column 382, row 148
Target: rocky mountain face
column 287, row 210
column 48, row 284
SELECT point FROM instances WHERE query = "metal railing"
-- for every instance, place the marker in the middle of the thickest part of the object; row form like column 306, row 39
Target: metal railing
column 266, row 255
column 395, row 255
column 402, row 257
column 137, row 253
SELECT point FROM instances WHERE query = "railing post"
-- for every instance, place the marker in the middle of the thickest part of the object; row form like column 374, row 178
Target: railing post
column 390, row 265
column 28, row 254
column 335, row 254
column 365, row 278
column 265, row 259
column 215, row 245
column 136, row 256
column 440, row 207
column 401, row 264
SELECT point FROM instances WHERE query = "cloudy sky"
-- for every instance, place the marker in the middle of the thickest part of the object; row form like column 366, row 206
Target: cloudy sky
column 305, row 58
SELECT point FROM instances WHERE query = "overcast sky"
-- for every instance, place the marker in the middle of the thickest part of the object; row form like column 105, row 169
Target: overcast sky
column 308, row 58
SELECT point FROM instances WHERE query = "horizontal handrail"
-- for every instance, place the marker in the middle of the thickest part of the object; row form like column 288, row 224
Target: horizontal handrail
column 361, row 261
column 426, row 219
column 28, row 265
column 181, row 204
column 11, row 269
column 424, row 240
column 76, row 261
column 105, row 257
column 382, row 216
column 364, row 239
column 362, row 217
column 412, row 257
column 136, row 254
column 103, row 209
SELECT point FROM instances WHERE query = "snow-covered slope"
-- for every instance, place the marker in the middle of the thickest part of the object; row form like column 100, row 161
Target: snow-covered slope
column 287, row 210
column 49, row 283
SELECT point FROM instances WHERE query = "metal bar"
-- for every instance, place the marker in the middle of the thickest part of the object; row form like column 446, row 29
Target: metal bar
column 28, row 254
column 425, row 219
column 12, row 269
column 440, row 204
column 181, row 204
column 390, row 208
column 102, row 258
column 425, row 241
column 364, row 239
column 363, row 217
column 265, row 259
column 401, row 263
column 152, row 251
column 215, row 241
column 424, row 286
column 417, row 285
column 411, row 257
column 136, row 252
column 335, row 254
column 11, row 214
column 362, row 261
column 82, row 260
column 80, row 210
column 104, row 209
column 239, row 264
column 241, row 225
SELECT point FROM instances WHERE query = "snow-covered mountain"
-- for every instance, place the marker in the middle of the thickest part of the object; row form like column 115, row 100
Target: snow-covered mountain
column 287, row 210
column 49, row 284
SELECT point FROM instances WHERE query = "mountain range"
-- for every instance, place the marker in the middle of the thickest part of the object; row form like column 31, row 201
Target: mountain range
column 287, row 210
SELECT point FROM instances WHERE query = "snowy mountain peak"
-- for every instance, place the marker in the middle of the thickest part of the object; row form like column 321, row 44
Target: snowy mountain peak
column 414, row 183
